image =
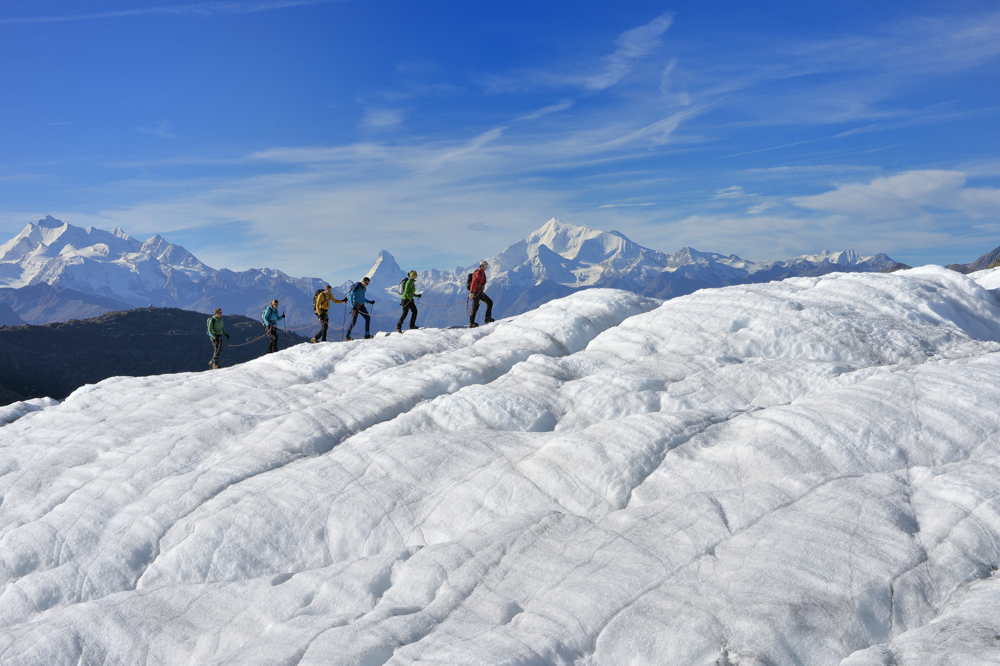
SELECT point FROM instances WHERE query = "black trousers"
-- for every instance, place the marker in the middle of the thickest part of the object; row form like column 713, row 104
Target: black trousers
column 217, row 346
column 359, row 310
column 480, row 296
column 408, row 306
column 272, row 346
column 324, row 322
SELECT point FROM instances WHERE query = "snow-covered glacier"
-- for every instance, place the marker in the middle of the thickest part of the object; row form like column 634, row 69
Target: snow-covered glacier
column 798, row 472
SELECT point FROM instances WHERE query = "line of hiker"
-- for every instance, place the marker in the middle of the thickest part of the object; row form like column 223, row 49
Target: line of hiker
column 358, row 298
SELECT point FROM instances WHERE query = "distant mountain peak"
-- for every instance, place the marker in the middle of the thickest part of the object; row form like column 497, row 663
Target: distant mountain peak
column 385, row 268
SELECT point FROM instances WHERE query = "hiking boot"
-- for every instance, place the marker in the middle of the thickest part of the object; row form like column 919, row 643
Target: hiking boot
column 348, row 337
column 312, row 340
column 473, row 324
column 490, row 320
column 367, row 337
column 414, row 328
column 399, row 330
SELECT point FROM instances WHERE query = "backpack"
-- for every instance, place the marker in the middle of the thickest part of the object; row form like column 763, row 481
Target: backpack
column 352, row 295
column 263, row 315
column 316, row 299
column 402, row 285
column 468, row 282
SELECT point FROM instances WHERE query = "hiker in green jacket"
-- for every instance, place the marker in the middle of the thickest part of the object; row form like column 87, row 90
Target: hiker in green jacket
column 216, row 329
column 408, row 301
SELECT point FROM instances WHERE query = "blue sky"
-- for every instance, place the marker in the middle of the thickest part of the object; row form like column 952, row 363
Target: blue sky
column 308, row 135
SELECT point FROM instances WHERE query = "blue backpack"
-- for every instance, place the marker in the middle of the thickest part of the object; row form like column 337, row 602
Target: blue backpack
column 352, row 295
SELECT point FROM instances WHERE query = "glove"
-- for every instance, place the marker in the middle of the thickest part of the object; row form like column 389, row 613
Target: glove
column 227, row 336
column 372, row 302
column 419, row 295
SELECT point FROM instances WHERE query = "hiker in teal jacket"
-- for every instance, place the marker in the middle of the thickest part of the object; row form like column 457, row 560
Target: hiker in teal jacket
column 270, row 320
column 408, row 301
column 358, row 299
column 216, row 329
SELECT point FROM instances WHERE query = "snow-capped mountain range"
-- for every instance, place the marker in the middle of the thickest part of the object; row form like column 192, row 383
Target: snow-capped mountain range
column 54, row 271
column 97, row 271
column 561, row 258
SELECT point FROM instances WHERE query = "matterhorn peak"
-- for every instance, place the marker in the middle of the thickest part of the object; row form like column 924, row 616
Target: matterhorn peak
column 384, row 268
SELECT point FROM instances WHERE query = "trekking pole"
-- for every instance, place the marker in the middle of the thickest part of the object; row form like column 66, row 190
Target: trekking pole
column 343, row 324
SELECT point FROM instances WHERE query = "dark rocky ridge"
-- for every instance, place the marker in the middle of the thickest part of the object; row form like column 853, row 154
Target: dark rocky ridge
column 55, row 359
column 987, row 260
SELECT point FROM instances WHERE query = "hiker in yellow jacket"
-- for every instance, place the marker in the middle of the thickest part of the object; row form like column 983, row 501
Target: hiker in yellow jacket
column 321, row 303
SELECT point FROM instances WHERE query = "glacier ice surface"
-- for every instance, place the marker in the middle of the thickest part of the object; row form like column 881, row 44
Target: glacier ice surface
column 802, row 472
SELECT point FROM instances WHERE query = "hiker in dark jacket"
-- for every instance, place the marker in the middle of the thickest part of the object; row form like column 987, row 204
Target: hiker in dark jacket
column 476, row 288
column 358, row 299
column 270, row 320
column 322, row 304
column 408, row 301
column 216, row 329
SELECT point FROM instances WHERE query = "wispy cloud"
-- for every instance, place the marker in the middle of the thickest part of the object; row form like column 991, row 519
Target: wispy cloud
column 564, row 105
column 867, row 78
column 161, row 130
column 382, row 118
column 627, row 205
column 906, row 195
column 200, row 9
column 761, row 207
column 470, row 146
column 666, row 85
column 658, row 133
column 919, row 44
column 734, row 192
column 633, row 45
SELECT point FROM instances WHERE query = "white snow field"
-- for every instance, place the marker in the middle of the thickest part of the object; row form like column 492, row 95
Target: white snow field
column 802, row 472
